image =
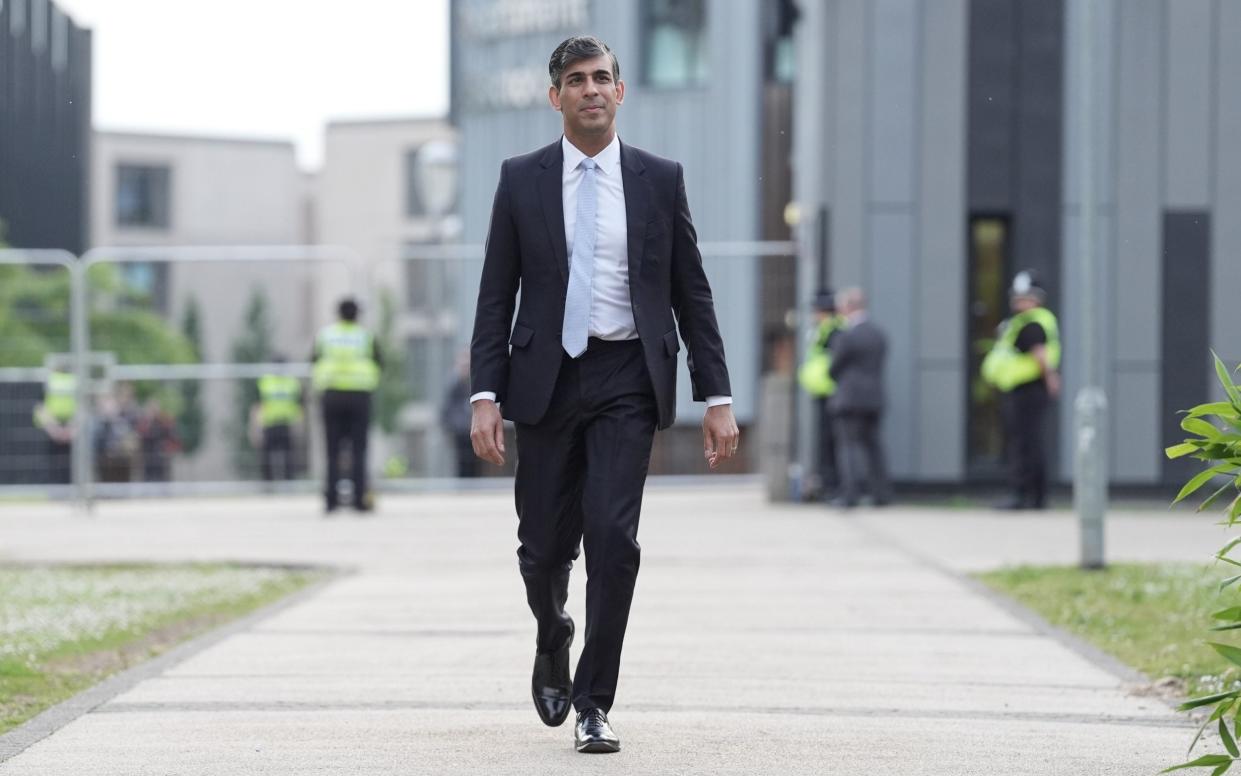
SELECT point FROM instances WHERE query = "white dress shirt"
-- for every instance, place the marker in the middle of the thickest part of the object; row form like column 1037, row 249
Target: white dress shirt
column 611, row 313
column 611, row 310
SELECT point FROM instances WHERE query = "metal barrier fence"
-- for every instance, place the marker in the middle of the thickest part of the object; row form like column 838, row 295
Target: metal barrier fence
column 39, row 330
column 165, row 345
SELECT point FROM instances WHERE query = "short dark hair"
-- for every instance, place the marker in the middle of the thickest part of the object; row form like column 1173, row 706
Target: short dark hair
column 347, row 310
column 575, row 49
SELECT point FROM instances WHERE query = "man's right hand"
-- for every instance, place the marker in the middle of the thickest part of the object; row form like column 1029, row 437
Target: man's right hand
column 487, row 431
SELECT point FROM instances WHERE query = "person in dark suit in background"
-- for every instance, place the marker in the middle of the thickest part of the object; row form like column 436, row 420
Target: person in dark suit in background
column 456, row 417
column 858, row 354
column 598, row 236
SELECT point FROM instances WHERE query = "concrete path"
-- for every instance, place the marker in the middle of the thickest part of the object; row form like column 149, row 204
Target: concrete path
column 764, row 640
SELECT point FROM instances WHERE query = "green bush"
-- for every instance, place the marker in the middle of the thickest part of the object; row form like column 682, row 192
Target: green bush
column 1218, row 444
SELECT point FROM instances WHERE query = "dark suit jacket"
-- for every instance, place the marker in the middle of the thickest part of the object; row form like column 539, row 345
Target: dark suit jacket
column 858, row 353
column 526, row 248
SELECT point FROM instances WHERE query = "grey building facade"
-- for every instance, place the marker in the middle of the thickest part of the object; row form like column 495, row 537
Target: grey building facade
column 45, row 109
column 947, row 152
column 941, row 142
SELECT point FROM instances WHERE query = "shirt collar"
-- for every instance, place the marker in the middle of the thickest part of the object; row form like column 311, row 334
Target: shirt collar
column 607, row 159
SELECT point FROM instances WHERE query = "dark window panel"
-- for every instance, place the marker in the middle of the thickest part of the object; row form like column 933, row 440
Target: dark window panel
column 143, row 196
column 674, row 43
column 1186, row 328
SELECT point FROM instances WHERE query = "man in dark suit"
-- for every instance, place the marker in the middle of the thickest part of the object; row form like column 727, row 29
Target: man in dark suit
column 598, row 236
column 858, row 353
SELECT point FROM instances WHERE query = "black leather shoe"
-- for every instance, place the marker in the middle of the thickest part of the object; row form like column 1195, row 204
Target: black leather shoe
column 550, row 684
column 593, row 734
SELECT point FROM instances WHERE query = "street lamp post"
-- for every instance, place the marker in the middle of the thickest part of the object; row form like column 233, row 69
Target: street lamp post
column 435, row 176
column 1090, row 404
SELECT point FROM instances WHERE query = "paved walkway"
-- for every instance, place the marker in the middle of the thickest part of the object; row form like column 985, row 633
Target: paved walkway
column 764, row 640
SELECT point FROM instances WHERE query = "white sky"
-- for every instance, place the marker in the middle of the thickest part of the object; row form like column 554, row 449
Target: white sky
column 264, row 68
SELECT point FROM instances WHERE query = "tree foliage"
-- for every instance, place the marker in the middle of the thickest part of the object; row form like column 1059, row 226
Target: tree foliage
column 1215, row 439
column 191, row 421
column 393, row 391
column 34, row 321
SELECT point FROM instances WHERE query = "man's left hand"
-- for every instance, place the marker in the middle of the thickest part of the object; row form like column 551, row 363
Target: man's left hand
column 1052, row 379
column 720, row 436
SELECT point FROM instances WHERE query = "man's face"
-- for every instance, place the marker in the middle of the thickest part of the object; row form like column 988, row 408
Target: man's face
column 588, row 96
column 1022, row 303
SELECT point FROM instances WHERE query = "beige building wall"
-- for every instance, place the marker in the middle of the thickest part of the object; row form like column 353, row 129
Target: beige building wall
column 220, row 192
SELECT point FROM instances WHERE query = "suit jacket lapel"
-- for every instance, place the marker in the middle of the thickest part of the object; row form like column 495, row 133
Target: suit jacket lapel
column 551, row 198
column 637, row 202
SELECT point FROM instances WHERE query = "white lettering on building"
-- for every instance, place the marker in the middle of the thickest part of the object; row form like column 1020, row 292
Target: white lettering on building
column 486, row 19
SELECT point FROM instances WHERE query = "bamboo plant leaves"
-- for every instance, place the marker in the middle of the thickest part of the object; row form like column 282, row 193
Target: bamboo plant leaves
column 1215, row 429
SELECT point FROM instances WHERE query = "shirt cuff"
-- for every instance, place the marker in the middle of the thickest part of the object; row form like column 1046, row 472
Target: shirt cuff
column 716, row 401
column 491, row 395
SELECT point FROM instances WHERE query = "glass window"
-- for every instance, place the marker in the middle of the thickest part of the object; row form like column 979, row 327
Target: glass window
column 142, row 196
column 60, row 40
column 675, row 42
column 413, row 203
column 781, row 56
column 17, row 17
column 38, row 26
column 989, row 248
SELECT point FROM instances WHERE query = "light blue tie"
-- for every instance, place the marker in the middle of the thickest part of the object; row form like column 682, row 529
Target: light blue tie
column 581, row 267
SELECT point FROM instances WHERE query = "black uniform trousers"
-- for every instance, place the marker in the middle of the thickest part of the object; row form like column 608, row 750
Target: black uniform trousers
column 580, row 475
column 277, row 456
column 346, row 417
column 829, row 480
column 860, row 456
column 1023, row 410
column 59, row 462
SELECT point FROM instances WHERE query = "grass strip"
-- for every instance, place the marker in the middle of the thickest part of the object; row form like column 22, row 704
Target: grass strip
column 1153, row 617
column 66, row 628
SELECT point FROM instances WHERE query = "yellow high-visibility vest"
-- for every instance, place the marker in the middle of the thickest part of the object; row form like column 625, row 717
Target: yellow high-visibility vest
column 60, row 396
column 280, row 400
column 815, row 372
column 1006, row 367
column 346, row 359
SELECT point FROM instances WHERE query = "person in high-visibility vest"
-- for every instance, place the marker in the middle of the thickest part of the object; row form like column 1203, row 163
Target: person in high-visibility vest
column 815, row 378
column 346, row 372
column 55, row 415
column 278, row 412
column 1023, row 366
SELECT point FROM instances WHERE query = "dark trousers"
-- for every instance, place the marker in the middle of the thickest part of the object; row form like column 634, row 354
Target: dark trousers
column 467, row 461
column 277, row 457
column 859, row 454
column 346, row 418
column 580, row 475
column 1023, row 410
column 59, row 462
column 829, row 479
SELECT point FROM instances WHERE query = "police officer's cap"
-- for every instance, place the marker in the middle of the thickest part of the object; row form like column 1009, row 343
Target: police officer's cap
column 825, row 301
column 348, row 309
column 1026, row 283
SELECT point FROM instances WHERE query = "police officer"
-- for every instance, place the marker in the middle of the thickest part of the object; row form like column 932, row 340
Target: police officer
column 346, row 372
column 55, row 416
column 279, row 411
column 816, row 380
column 1023, row 365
